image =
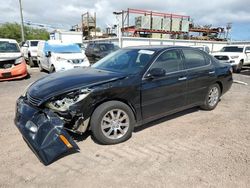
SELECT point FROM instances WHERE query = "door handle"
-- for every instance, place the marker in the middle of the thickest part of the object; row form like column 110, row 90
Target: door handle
column 182, row 78
column 211, row 72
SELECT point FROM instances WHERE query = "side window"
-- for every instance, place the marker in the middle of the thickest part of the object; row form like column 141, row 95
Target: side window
column 90, row 46
column 170, row 60
column 194, row 58
column 247, row 48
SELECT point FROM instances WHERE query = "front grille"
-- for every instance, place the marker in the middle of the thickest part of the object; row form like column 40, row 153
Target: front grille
column 33, row 101
column 76, row 61
column 6, row 64
column 221, row 57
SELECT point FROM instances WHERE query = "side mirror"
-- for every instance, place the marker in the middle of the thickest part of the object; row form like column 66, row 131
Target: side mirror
column 26, row 45
column 247, row 51
column 156, row 73
column 48, row 54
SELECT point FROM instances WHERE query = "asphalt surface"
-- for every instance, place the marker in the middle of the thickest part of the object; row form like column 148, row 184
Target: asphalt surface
column 193, row 148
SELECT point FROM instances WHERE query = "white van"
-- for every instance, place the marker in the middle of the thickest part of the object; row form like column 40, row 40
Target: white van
column 55, row 56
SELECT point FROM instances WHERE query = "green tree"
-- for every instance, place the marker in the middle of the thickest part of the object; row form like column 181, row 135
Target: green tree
column 13, row 31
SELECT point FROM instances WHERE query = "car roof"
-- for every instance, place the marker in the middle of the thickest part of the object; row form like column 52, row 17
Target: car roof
column 157, row 47
column 239, row 45
column 9, row 40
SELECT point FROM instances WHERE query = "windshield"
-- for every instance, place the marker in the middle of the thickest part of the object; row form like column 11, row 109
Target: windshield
column 8, row 47
column 62, row 48
column 33, row 43
column 106, row 47
column 232, row 49
column 125, row 61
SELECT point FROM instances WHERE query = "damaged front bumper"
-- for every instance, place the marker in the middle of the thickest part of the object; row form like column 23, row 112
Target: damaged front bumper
column 44, row 132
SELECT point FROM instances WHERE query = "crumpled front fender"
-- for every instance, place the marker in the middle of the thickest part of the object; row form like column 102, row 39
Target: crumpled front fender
column 43, row 131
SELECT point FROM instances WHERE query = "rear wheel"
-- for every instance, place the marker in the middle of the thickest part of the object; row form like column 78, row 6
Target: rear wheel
column 238, row 67
column 212, row 97
column 52, row 69
column 39, row 66
column 31, row 62
column 112, row 122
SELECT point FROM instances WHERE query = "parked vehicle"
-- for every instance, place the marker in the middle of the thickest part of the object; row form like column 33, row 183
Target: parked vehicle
column 54, row 57
column 203, row 48
column 235, row 55
column 96, row 51
column 29, row 51
column 125, row 89
column 12, row 64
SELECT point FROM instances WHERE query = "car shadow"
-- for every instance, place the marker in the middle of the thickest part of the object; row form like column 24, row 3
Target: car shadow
column 245, row 71
column 166, row 118
column 84, row 136
column 80, row 137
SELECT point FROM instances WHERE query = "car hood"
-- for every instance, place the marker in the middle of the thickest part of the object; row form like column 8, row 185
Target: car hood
column 227, row 53
column 69, row 56
column 59, row 83
column 8, row 56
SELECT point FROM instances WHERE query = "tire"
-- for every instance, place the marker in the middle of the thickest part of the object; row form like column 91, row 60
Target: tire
column 238, row 67
column 40, row 66
column 212, row 97
column 31, row 62
column 52, row 69
column 104, row 127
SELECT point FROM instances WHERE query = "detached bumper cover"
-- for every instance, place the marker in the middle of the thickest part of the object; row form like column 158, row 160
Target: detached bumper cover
column 43, row 131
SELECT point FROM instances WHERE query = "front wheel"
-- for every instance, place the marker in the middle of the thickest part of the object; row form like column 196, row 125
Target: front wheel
column 212, row 97
column 237, row 68
column 52, row 69
column 31, row 62
column 112, row 122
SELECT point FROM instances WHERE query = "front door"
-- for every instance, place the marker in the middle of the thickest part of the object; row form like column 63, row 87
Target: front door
column 247, row 51
column 166, row 93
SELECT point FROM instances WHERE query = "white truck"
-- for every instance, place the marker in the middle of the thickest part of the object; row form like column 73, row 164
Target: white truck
column 236, row 55
column 29, row 51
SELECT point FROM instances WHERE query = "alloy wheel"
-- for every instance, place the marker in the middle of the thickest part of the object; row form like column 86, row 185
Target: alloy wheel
column 213, row 96
column 115, row 124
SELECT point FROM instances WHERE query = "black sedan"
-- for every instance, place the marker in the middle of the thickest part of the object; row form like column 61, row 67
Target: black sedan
column 127, row 88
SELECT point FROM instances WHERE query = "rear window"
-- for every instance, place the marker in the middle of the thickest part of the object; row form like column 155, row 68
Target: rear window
column 232, row 49
column 194, row 58
column 33, row 43
column 106, row 47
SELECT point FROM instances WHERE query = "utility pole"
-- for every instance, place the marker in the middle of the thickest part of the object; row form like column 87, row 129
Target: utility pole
column 119, row 32
column 21, row 14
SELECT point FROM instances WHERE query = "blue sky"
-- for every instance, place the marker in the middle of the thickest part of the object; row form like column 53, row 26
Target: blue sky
column 65, row 13
column 241, row 31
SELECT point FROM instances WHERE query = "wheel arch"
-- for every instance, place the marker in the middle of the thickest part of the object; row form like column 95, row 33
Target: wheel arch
column 221, row 85
column 113, row 99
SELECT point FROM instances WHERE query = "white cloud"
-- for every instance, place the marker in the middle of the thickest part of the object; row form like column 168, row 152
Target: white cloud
column 68, row 12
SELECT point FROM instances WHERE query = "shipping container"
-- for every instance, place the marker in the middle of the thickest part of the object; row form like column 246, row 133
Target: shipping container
column 143, row 22
column 156, row 23
column 185, row 25
column 166, row 23
column 176, row 24
column 156, row 35
column 166, row 36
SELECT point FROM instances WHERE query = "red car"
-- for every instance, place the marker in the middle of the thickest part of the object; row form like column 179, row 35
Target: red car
column 12, row 64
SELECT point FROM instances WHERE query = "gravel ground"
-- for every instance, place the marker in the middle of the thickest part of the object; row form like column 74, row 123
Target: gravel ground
column 193, row 148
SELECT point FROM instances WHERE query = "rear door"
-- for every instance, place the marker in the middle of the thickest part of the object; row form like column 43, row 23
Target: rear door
column 200, row 75
column 167, row 93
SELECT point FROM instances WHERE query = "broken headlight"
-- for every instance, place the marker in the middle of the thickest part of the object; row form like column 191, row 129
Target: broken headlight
column 19, row 60
column 63, row 103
